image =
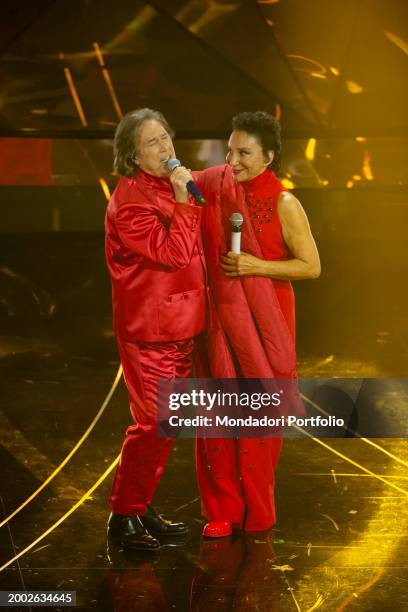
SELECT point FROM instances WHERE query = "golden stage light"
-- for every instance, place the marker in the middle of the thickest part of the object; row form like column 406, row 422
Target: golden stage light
column 71, row 453
column 366, row 440
column 108, row 80
column 346, row 458
column 74, row 93
column 64, row 517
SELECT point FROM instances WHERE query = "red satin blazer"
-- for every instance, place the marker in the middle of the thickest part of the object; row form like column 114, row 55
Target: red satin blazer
column 155, row 261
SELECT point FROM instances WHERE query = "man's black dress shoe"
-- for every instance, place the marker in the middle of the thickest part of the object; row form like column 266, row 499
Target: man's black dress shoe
column 158, row 525
column 129, row 532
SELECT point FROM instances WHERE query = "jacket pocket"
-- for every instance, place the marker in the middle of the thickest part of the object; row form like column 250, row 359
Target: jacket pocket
column 182, row 315
column 184, row 295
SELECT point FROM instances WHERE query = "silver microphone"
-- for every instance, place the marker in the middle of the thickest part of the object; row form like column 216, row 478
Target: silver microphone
column 173, row 163
column 236, row 222
column 192, row 188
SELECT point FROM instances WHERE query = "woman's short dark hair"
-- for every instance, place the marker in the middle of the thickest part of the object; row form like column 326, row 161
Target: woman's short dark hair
column 126, row 138
column 266, row 130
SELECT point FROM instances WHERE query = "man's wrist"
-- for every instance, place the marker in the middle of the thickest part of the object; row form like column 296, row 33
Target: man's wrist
column 182, row 197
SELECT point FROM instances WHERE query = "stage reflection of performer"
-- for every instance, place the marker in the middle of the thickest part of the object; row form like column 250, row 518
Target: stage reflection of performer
column 236, row 574
column 135, row 588
column 252, row 317
column 155, row 261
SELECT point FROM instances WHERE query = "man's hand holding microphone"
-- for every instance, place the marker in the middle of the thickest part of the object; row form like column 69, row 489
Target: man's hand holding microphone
column 179, row 177
column 183, row 183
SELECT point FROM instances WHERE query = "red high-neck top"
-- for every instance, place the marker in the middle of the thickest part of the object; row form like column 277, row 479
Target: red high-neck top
column 262, row 195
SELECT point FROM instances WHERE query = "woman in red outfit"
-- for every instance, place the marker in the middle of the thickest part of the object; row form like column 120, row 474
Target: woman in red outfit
column 252, row 317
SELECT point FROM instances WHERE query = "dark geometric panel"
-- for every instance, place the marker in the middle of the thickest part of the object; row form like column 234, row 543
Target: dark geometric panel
column 17, row 17
column 150, row 59
column 313, row 36
column 237, row 33
column 317, row 64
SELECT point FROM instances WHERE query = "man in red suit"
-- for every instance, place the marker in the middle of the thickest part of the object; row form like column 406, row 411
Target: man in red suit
column 156, row 265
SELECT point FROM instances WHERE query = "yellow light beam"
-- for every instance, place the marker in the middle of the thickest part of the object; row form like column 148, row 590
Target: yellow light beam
column 105, row 188
column 114, row 463
column 64, row 517
column 317, row 604
column 399, row 42
column 71, row 453
column 366, row 440
column 321, row 546
column 365, row 587
column 321, row 70
column 366, row 169
column 75, row 96
column 108, row 80
column 74, row 93
column 310, row 149
column 352, row 475
column 358, row 465
column 292, row 592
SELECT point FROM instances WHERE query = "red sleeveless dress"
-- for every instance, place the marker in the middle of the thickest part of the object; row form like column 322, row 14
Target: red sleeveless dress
column 262, row 195
column 236, row 476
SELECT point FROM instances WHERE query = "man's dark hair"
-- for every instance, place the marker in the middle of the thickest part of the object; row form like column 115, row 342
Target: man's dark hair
column 126, row 138
column 266, row 130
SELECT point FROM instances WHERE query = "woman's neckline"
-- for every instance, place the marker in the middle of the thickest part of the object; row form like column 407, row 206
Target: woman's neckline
column 258, row 181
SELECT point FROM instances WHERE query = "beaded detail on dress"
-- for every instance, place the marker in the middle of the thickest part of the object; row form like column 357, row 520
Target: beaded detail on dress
column 260, row 211
column 261, row 208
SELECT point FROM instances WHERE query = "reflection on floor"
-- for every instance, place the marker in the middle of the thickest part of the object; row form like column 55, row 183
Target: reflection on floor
column 340, row 542
column 341, row 538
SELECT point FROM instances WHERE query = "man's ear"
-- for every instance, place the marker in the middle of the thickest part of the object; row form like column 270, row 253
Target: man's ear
column 269, row 158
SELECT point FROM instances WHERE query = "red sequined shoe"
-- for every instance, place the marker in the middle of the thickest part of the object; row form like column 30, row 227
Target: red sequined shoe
column 217, row 529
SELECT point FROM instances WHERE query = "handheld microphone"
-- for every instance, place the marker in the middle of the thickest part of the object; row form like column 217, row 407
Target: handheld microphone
column 236, row 222
column 192, row 188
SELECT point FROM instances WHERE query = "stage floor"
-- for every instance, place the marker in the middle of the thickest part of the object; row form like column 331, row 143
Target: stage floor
column 341, row 537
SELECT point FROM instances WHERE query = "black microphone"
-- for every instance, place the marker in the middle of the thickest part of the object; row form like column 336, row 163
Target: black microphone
column 192, row 188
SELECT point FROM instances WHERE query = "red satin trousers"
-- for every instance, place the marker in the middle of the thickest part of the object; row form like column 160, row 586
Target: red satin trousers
column 144, row 455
